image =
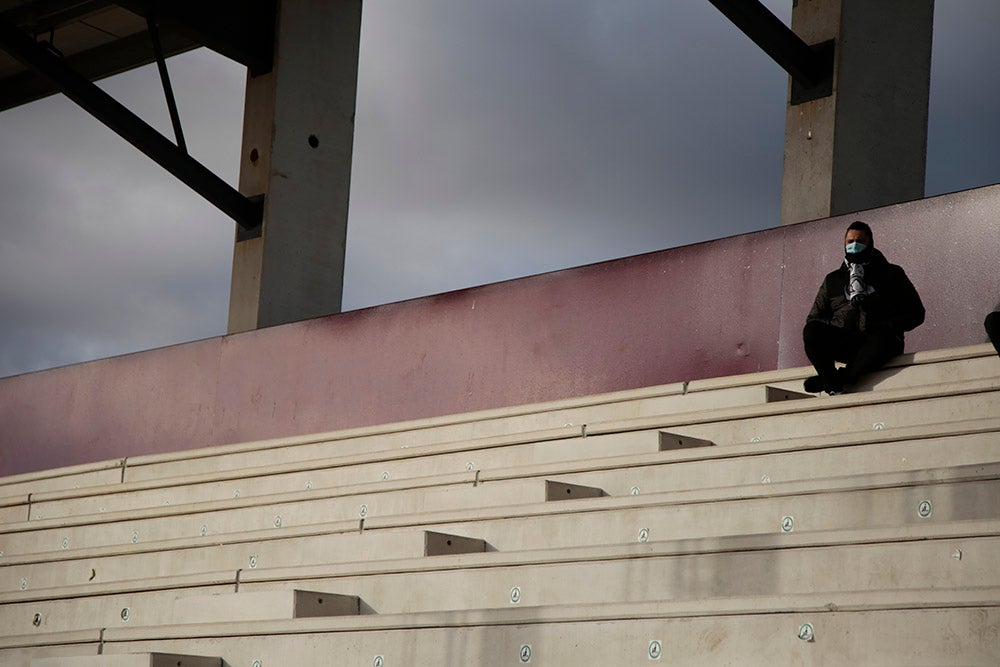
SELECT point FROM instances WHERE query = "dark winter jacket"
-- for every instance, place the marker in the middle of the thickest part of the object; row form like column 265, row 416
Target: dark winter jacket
column 893, row 306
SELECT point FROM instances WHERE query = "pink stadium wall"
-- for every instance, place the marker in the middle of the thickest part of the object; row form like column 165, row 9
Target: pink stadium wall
column 730, row 306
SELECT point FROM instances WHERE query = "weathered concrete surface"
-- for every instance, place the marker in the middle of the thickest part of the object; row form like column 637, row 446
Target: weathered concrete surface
column 727, row 307
column 866, row 144
column 298, row 136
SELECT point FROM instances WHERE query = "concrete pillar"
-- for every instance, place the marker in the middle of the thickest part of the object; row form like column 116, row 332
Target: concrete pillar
column 298, row 135
column 866, row 144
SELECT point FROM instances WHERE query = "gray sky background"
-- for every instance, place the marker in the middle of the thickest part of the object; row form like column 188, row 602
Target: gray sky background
column 493, row 140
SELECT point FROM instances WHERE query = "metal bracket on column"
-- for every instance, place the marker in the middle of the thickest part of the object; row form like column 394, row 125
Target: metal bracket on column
column 255, row 232
column 247, row 213
column 804, row 92
column 811, row 67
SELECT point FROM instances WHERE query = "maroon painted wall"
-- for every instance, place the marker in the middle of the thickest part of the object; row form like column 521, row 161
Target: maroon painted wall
column 730, row 306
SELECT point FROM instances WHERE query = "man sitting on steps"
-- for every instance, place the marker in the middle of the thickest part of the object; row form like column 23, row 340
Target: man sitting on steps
column 859, row 316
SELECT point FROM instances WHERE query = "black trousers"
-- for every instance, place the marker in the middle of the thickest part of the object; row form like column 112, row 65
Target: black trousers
column 862, row 352
column 992, row 325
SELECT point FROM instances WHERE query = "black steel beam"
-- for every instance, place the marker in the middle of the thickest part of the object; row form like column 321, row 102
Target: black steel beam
column 806, row 65
column 246, row 213
column 242, row 30
column 168, row 90
column 94, row 64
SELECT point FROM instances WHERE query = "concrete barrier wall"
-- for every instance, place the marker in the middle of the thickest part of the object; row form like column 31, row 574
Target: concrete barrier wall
column 726, row 307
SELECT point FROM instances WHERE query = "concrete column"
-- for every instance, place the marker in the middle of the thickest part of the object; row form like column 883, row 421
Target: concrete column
column 298, row 135
column 865, row 145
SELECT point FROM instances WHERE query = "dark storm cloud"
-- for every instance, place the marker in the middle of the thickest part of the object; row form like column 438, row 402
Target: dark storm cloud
column 494, row 139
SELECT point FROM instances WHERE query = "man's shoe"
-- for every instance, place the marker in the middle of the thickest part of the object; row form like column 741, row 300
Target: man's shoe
column 813, row 384
column 836, row 384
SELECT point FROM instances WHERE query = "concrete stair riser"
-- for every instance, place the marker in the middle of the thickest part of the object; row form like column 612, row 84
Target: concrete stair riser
column 54, row 539
column 944, row 563
column 982, row 448
column 637, row 443
column 314, row 549
column 983, row 405
column 573, row 525
column 915, row 637
column 100, row 474
column 627, row 447
column 809, row 511
column 131, row 660
column 223, row 518
column 896, row 377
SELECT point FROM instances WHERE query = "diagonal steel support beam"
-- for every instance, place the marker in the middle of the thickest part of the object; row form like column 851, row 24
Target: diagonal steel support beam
column 808, row 66
column 246, row 212
column 168, row 90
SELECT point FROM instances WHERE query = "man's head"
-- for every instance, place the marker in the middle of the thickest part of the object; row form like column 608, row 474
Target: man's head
column 859, row 232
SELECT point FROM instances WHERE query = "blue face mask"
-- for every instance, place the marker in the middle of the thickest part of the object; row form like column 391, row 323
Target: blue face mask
column 855, row 247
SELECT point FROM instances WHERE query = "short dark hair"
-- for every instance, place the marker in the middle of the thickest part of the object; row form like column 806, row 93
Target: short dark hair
column 861, row 227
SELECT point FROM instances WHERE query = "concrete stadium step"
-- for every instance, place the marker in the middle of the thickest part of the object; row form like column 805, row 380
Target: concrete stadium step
column 13, row 509
column 935, row 367
column 387, row 469
column 949, row 365
column 975, row 443
column 193, row 489
column 892, row 408
column 913, row 627
column 811, row 505
column 957, row 556
column 629, row 441
column 377, row 466
column 625, row 475
column 765, row 463
column 320, row 543
column 222, row 581
column 933, row 496
column 98, row 473
column 975, row 400
column 165, row 608
column 288, row 510
column 713, row 572
column 130, row 660
column 956, row 364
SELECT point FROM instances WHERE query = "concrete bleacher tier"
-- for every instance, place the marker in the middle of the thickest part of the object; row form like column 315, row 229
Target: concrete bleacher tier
column 732, row 520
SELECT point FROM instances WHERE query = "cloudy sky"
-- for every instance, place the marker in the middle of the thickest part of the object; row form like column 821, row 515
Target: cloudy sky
column 493, row 140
